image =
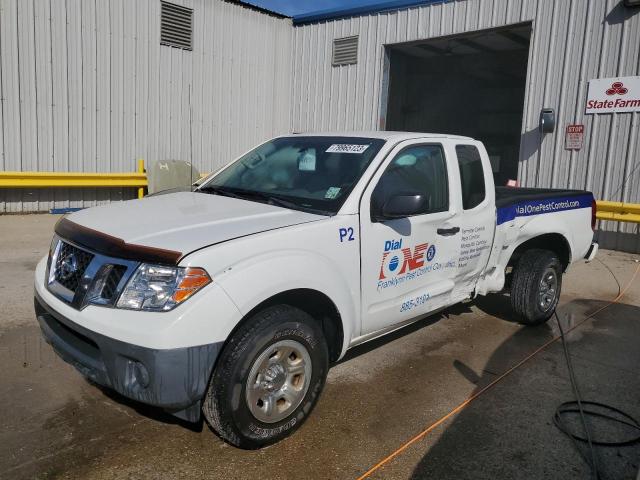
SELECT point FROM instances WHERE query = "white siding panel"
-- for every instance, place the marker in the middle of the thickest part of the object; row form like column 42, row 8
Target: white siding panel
column 74, row 98
column 127, row 158
column 141, row 78
column 28, row 98
column 89, row 126
column 86, row 86
column 59, row 96
column 2, row 160
column 116, row 84
column 103, row 94
column 10, row 97
column 197, row 87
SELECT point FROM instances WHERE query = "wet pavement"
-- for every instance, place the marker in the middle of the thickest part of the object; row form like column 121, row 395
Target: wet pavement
column 55, row 424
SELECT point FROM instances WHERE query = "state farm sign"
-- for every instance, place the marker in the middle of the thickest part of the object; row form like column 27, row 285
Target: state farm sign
column 619, row 94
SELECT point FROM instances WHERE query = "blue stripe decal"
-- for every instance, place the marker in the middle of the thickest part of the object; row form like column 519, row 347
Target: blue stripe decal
column 58, row 211
column 539, row 207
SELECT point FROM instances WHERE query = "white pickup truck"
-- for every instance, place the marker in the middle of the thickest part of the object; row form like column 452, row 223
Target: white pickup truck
column 234, row 299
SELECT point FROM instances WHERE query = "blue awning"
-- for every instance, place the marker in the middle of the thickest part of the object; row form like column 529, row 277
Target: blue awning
column 334, row 13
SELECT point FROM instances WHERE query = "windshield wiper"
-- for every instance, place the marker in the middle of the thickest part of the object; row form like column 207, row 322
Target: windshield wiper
column 220, row 191
column 261, row 197
column 277, row 201
column 280, row 202
column 250, row 195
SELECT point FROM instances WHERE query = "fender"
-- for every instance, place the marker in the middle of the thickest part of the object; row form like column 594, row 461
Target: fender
column 535, row 227
column 515, row 233
column 561, row 222
column 286, row 270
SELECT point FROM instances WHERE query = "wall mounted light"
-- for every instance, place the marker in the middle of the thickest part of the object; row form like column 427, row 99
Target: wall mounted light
column 547, row 120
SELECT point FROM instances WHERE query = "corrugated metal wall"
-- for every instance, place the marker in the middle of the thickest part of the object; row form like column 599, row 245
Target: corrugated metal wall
column 572, row 41
column 86, row 86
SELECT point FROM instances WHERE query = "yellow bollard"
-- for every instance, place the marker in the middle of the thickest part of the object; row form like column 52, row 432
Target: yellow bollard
column 140, row 170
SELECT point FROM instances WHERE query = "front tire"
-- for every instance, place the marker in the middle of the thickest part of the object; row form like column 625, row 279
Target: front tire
column 268, row 378
column 536, row 286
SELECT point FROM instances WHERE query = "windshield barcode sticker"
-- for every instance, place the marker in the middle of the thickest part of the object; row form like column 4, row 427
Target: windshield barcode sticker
column 332, row 192
column 346, row 148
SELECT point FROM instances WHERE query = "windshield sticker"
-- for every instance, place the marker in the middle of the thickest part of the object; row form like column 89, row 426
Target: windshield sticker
column 346, row 148
column 307, row 162
column 332, row 192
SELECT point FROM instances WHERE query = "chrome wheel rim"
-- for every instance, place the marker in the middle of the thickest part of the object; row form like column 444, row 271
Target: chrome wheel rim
column 548, row 289
column 278, row 381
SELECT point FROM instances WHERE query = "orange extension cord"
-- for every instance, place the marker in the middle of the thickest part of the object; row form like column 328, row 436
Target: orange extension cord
column 464, row 404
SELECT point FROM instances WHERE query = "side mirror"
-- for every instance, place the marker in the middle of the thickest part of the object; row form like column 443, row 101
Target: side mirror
column 401, row 206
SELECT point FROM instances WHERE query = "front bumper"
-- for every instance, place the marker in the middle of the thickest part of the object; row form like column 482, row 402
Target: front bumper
column 173, row 379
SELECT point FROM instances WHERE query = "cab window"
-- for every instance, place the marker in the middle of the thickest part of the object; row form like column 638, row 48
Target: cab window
column 419, row 169
column 471, row 176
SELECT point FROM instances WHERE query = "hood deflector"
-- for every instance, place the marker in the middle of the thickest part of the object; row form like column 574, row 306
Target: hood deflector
column 113, row 246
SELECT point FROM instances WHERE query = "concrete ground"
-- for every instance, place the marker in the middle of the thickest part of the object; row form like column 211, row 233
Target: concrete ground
column 54, row 424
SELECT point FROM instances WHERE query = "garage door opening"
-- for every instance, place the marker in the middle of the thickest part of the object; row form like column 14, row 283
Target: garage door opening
column 471, row 84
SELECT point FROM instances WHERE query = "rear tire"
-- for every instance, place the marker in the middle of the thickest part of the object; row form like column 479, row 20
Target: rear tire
column 535, row 286
column 268, row 378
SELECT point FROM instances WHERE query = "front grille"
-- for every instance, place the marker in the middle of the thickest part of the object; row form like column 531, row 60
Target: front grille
column 110, row 289
column 80, row 277
column 71, row 263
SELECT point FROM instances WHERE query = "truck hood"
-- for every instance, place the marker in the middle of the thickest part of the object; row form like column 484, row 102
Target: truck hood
column 186, row 221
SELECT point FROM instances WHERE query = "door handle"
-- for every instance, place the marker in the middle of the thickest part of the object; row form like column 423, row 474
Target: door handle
column 447, row 232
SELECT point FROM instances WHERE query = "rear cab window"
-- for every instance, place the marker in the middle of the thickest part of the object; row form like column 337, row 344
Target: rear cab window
column 471, row 176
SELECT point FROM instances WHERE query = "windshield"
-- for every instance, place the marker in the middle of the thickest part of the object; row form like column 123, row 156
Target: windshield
column 305, row 173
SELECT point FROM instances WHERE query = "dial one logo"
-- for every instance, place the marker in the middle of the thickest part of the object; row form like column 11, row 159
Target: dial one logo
column 397, row 260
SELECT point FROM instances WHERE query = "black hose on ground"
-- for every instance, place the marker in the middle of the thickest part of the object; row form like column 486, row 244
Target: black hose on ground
column 600, row 411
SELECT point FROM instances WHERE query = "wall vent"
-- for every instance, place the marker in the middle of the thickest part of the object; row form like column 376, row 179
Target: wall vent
column 345, row 51
column 176, row 26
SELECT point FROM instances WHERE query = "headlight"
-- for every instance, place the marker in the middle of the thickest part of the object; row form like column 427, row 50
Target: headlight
column 160, row 288
column 55, row 244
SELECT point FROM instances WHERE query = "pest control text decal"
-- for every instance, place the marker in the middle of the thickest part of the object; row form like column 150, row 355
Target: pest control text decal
column 538, row 207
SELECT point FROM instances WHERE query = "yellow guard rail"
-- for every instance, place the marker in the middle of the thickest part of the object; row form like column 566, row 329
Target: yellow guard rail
column 76, row 179
column 618, row 211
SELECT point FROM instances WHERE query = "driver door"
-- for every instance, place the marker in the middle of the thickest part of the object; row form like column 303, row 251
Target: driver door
column 408, row 263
